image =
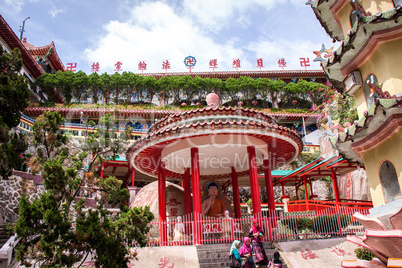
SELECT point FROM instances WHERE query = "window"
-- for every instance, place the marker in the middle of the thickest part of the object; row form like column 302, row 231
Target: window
column 373, row 79
column 389, row 182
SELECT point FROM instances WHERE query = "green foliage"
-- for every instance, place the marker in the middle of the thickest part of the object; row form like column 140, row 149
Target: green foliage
column 57, row 230
column 329, row 223
column 47, row 138
column 317, row 224
column 250, row 202
column 297, row 224
column 12, row 145
column 13, row 88
column 269, row 93
column 13, row 100
column 364, row 254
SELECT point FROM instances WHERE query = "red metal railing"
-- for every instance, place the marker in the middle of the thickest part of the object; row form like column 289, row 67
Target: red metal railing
column 317, row 205
column 321, row 223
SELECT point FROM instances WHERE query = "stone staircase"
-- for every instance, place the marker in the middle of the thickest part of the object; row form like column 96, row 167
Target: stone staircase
column 3, row 235
column 217, row 255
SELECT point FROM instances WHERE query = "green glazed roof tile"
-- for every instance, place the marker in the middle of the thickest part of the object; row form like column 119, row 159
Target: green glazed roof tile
column 371, row 110
column 387, row 103
column 361, row 121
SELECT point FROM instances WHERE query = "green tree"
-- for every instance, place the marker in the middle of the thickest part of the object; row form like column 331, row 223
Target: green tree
column 105, row 86
column 151, row 87
column 80, row 85
column 94, row 86
column 57, row 229
column 13, row 100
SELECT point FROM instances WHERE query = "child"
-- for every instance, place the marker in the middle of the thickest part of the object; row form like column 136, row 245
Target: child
column 276, row 262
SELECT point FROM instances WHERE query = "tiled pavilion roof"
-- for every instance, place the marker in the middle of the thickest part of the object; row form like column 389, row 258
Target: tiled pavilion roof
column 44, row 50
column 376, row 126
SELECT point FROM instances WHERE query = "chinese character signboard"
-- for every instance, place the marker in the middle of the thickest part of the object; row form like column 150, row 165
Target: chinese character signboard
column 304, row 62
column 95, row 67
column 190, row 62
column 142, row 66
column 260, row 64
column 118, row 66
column 236, row 64
column 213, row 64
column 71, row 66
column 282, row 63
column 166, row 65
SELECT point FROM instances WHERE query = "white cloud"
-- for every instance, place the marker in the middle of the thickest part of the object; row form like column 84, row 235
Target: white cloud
column 54, row 11
column 218, row 14
column 156, row 33
column 15, row 4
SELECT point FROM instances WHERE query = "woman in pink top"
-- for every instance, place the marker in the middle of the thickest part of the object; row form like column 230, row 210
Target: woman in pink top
column 256, row 234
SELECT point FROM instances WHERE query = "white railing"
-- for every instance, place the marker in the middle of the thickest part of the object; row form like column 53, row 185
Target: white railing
column 277, row 227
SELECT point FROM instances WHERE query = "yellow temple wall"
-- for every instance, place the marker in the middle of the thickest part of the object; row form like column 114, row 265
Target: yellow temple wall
column 360, row 101
column 385, row 65
column 372, row 161
column 344, row 19
column 374, row 6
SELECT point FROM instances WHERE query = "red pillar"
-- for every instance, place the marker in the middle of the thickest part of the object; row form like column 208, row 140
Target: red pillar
column 269, row 186
column 162, row 203
column 132, row 176
column 187, row 192
column 254, row 185
column 306, row 192
column 335, row 183
column 195, row 172
column 283, row 188
column 236, row 194
column 102, row 172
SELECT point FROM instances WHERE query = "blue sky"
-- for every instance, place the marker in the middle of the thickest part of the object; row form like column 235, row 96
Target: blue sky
column 131, row 31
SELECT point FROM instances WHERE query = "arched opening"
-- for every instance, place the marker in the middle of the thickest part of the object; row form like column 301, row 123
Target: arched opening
column 366, row 89
column 389, row 182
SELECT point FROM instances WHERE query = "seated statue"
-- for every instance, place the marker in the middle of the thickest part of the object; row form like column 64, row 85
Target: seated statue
column 213, row 206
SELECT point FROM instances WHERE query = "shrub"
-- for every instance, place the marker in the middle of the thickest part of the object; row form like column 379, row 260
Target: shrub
column 329, row 224
column 297, row 224
column 363, row 254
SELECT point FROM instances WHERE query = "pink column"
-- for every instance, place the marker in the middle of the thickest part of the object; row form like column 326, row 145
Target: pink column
column 162, row 203
column 236, row 194
column 132, row 176
column 195, row 172
column 187, row 192
column 268, row 185
column 335, row 183
column 254, row 185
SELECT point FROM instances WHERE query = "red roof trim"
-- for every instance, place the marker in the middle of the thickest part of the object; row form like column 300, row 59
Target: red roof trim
column 14, row 42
